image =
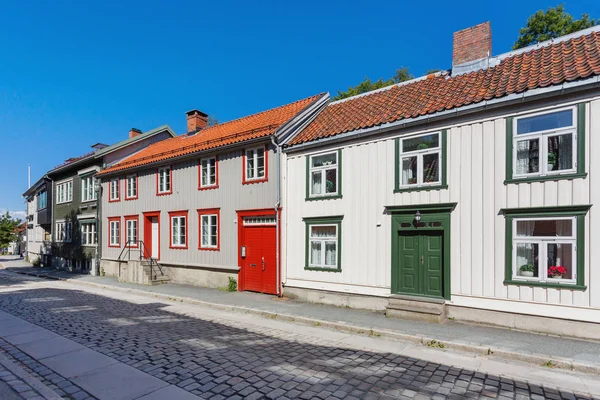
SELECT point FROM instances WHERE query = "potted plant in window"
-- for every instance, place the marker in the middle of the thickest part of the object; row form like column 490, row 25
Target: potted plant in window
column 527, row 270
column 552, row 158
column 556, row 271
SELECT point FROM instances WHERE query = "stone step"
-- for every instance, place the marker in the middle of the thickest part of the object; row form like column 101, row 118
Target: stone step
column 416, row 308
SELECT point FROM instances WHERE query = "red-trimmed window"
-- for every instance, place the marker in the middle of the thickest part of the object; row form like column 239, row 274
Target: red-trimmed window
column 131, row 187
column 114, row 231
column 208, row 173
column 178, row 229
column 115, row 193
column 255, row 165
column 164, row 181
column 132, row 223
column 209, row 224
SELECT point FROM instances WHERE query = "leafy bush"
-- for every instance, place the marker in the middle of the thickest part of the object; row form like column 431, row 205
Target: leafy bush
column 37, row 262
column 232, row 286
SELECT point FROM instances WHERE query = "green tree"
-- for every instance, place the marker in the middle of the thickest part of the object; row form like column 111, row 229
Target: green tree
column 7, row 229
column 367, row 85
column 550, row 24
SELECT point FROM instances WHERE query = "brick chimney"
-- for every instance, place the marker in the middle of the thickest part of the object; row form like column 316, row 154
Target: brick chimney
column 133, row 132
column 196, row 120
column 472, row 44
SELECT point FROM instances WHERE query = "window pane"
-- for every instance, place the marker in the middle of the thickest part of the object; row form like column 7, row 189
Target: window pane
column 331, row 180
column 326, row 159
column 316, row 179
column 431, row 168
column 528, row 153
column 409, row 171
column 322, row 231
column 315, row 253
column 331, row 254
column 560, row 152
column 260, row 162
column 250, row 164
column 527, row 259
column 421, row 143
column 545, row 227
column 560, row 261
column 545, row 122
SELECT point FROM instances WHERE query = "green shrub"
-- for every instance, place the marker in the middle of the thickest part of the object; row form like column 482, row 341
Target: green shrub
column 232, row 286
column 37, row 262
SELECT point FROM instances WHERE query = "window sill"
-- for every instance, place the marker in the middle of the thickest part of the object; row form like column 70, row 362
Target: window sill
column 420, row 188
column 251, row 181
column 178, row 247
column 164, row 193
column 546, row 178
column 323, row 269
column 114, row 200
column 130, row 198
column 61, row 203
column 88, row 201
column 332, row 197
column 208, row 187
column 546, row 285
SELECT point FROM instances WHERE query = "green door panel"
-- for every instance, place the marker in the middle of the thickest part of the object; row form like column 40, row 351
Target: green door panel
column 408, row 254
column 420, row 264
column 432, row 268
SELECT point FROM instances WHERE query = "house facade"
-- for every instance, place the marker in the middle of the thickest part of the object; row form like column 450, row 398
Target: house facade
column 202, row 208
column 38, row 219
column 466, row 194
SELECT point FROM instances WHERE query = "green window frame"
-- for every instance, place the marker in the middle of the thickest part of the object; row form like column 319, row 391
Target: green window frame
column 419, row 155
column 578, row 214
column 331, row 221
column 578, row 147
column 322, row 171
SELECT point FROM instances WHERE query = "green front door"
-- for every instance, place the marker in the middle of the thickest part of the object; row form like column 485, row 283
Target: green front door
column 420, row 263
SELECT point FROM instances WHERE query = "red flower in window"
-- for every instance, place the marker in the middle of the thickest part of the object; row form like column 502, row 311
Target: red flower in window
column 557, row 271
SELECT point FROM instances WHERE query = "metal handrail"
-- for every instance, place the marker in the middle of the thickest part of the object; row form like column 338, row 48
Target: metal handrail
column 141, row 247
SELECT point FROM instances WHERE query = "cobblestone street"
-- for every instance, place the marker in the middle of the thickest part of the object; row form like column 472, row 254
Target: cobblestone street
column 223, row 357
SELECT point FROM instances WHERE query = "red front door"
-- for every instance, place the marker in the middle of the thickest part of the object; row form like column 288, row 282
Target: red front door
column 259, row 266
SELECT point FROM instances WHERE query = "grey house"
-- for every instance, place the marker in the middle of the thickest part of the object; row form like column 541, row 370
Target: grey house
column 76, row 241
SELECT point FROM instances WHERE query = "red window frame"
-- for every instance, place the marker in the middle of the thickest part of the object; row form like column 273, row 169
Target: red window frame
column 182, row 213
column 251, row 181
column 113, row 219
column 137, row 187
column 110, row 190
column 216, row 185
column 170, row 180
column 135, row 218
column 209, row 211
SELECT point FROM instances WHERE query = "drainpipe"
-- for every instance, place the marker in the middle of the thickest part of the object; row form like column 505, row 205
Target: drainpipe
column 97, row 189
column 277, row 205
column 51, row 241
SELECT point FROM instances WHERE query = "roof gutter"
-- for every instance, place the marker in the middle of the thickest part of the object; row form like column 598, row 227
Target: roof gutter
column 528, row 95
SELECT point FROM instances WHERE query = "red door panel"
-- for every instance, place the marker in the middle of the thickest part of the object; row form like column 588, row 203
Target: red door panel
column 259, row 267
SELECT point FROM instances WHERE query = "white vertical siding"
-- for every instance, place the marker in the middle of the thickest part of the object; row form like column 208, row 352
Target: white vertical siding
column 476, row 169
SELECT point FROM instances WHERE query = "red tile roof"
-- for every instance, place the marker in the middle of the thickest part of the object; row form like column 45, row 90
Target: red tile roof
column 543, row 66
column 254, row 126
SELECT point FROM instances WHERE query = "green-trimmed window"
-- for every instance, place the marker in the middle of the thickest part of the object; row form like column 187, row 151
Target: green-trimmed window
column 323, row 243
column 545, row 247
column 547, row 145
column 421, row 162
column 323, row 177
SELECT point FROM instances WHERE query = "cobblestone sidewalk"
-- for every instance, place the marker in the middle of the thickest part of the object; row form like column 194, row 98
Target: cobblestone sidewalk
column 224, row 358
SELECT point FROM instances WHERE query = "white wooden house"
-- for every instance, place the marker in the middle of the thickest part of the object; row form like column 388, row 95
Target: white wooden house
column 467, row 193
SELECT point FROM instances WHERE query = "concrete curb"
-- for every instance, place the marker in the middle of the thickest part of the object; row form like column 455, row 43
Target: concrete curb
column 30, row 380
column 430, row 342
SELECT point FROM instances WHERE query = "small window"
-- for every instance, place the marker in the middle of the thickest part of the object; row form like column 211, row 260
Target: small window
column 114, row 190
column 87, row 189
column 420, row 161
column 209, row 229
column 255, row 168
column 545, row 249
column 42, row 200
column 114, row 232
column 63, row 231
column 88, row 234
column 131, row 192
column 323, row 238
column 545, row 144
column 323, row 175
column 64, row 192
column 131, row 227
column 164, row 180
column 208, row 173
column 178, row 229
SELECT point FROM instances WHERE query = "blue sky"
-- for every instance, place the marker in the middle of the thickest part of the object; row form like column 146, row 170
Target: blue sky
column 76, row 73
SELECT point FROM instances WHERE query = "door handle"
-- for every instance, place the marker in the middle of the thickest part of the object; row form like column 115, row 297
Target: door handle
column 422, row 260
column 253, row 265
column 263, row 263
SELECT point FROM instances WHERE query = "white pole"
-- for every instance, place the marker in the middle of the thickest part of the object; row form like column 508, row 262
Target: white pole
column 28, row 176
